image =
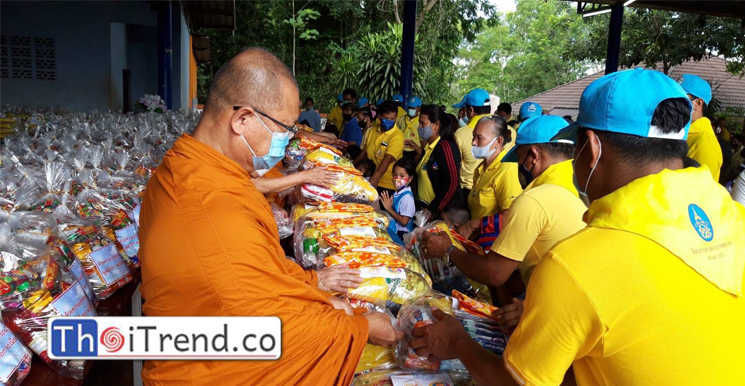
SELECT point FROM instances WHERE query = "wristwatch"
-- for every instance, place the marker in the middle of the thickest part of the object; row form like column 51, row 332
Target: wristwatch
column 447, row 254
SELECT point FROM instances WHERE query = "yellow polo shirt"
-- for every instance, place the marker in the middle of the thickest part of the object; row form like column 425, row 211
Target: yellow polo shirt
column 401, row 112
column 335, row 116
column 640, row 297
column 496, row 187
column 410, row 128
column 704, row 147
column 391, row 142
column 464, row 137
column 370, row 135
column 424, row 185
column 548, row 211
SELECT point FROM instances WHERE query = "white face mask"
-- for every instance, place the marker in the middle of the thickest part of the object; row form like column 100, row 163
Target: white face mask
column 483, row 152
column 583, row 193
column 412, row 113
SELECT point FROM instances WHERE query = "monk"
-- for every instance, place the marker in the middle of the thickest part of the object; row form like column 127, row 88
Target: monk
column 210, row 247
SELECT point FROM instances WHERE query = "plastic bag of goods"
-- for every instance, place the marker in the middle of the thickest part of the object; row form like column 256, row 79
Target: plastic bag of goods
column 389, row 287
column 418, row 313
column 414, row 378
column 334, row 244
column 57, row 181
column 376, row 358
column 116, row 224
column 350, row 186
column 326, row 210
column 102, row 261
column 327, row 156
column 15, row 358
column 34, row 288
column 309, row 231
column 284, row 225
column 477, row 319
column 446, row 277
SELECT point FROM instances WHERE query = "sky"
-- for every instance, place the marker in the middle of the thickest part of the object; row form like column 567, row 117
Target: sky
column 504, row 5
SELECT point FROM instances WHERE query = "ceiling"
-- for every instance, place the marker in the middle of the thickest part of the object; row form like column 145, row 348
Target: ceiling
column 734, row 8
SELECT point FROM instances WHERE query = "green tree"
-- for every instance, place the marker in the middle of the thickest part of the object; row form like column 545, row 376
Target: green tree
column 526, row 55
column 665, row 39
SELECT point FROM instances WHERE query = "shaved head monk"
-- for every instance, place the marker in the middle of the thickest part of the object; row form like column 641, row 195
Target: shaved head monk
column 210, row 247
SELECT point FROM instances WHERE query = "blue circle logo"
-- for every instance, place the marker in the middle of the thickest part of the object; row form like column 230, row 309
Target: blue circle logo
column 700, row 222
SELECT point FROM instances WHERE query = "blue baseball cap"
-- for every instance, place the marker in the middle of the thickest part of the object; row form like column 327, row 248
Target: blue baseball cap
column 696, row 86
column 362, row 101
column 530, row 109
column 540, row 129
column 398, row 98
column 414, row 102
column 462, row 103
column 340, row 97
column 624, row 102
column 477, row 97
column 379, row 102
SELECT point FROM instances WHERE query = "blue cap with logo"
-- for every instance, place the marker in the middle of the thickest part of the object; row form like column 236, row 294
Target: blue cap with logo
column 540, row 129
column 398, row 98
column 477, row 97
column 362, row 101
column 340, row 97
column 624, row 102
column 530, row 109
column 696, row 86
column 414, row 102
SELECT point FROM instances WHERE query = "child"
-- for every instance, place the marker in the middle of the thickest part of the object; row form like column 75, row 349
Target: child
column 455, row 215
column 367, row 167
column 401, row 205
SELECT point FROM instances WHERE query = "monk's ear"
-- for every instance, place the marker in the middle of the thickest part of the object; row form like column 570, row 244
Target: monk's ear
column 242, row 119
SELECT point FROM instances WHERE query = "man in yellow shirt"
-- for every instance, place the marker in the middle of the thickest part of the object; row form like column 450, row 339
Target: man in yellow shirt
column 409, row 126
column 385, row 148
column 702, row 142
column 548, row 211
column 335, row 115
column 650, row 293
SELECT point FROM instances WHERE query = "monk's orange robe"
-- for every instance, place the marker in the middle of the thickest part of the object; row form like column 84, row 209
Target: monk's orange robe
column 210, row 247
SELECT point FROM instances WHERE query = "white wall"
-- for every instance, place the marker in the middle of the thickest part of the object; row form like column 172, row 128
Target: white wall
column 94, row 41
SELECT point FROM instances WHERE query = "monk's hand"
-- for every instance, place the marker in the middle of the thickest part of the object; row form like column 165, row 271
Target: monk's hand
column 435, row 244
column 509, row 316
column 341, row 304
column 438, row 340
column 320, row 176
column 339, row 278
column 381, row 330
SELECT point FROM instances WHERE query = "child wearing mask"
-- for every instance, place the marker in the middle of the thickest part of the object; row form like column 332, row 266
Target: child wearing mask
column 401, row 205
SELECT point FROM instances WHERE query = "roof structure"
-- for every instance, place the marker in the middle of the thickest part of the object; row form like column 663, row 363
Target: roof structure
column 730, row 8
column 727, row 88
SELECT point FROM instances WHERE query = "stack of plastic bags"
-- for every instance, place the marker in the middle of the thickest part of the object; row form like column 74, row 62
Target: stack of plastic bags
column 70, row 190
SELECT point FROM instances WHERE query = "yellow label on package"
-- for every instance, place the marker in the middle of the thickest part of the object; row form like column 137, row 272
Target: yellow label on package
column 384, row 272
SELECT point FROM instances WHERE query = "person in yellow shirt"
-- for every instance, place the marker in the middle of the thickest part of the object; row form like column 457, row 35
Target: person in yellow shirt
column 398, row 99
column 702, row 142
column 385, row 148
column 548, row 211
column 409, row 125
column 497, row 184
column 616, row 300
column 476, row 105
column 335, row 116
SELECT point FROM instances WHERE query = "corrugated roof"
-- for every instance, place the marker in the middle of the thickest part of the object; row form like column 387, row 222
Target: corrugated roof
column 729, row 89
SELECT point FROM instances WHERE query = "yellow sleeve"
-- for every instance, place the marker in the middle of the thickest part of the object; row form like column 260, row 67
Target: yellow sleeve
column 707, row 152
column 524, row 222
column 559, row 325
column 507, row 188
column 396, row 146
column 463, row 141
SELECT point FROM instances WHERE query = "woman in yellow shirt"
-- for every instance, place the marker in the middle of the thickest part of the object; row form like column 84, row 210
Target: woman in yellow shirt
column 496, row 184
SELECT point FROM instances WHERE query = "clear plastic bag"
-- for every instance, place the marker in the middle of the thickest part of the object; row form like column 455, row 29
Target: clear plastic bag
column 34, row 288
column 411, row 378
column 350, row 186
column 284, row 225
column 16, row 358
column 418, row 313
column 445, row 277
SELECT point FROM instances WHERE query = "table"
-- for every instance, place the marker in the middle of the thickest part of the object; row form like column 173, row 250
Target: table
column 109, row 373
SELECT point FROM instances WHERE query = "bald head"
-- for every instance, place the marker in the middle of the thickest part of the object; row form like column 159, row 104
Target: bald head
column 253, row 77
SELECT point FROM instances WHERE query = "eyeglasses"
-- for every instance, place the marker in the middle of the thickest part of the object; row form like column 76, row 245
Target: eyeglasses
column 292, row 129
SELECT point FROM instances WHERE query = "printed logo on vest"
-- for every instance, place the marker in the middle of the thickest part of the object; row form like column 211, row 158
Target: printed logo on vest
column 700, row 222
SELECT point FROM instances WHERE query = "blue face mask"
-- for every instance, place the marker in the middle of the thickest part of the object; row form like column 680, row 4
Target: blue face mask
column 425, row 132
column 386, row 124
column 276, row 150
column 463, row 121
